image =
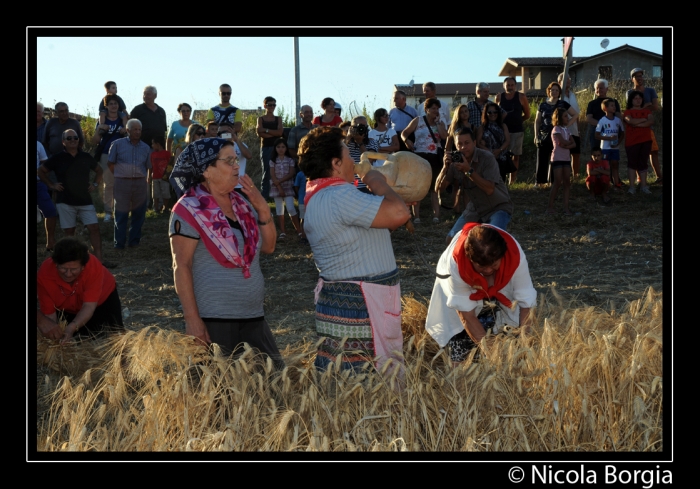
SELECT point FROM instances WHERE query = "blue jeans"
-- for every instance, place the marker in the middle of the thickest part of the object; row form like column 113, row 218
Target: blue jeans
column 266, row 154
column 130, row 196
column 121, row 219
column 500, row 219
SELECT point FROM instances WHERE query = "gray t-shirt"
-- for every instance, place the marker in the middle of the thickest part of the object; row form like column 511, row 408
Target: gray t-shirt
column 338, row 224
column 481, row 205
column 222, row 292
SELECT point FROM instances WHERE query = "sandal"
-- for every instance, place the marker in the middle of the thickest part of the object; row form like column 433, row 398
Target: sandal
column 436, row 220
column 281, row 237
column 551, row 212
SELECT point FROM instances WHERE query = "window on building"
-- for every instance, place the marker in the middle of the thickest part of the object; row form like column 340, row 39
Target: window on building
column 656, row 71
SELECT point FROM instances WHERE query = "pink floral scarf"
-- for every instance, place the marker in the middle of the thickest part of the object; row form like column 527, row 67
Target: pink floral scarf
column 199, row 209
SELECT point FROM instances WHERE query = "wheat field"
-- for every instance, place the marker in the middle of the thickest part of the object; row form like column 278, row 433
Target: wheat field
column 588, row 378
column 584, row 379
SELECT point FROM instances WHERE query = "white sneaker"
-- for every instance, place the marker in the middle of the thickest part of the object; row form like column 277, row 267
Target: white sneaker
column 108, row 218
column 645, row 190
column 632, row 190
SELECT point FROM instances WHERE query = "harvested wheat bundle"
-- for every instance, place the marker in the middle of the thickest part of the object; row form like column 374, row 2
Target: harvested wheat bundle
column 73, row 358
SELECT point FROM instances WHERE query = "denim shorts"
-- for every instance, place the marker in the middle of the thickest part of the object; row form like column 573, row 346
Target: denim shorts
column 611, row 154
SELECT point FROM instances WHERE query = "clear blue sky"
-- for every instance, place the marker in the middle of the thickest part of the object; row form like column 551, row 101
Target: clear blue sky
column 360, row 69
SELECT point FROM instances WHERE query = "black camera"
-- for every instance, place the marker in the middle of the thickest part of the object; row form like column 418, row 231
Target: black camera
column 456, row 156
column 361, row 129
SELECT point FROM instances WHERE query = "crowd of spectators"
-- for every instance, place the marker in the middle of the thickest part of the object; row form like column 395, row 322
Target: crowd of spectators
column 474, row 155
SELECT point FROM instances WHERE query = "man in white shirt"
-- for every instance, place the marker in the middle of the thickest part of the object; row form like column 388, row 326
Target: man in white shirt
column 401, row 116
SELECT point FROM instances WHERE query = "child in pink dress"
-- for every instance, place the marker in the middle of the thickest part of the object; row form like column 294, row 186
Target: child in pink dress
column 282, row 187
column 561, row 159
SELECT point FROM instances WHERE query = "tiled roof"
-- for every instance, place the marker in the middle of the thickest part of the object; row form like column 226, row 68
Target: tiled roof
column 549, row 61
column 557, row 61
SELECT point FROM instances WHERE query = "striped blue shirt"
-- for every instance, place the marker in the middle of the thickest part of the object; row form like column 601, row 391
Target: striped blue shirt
column 337, row 225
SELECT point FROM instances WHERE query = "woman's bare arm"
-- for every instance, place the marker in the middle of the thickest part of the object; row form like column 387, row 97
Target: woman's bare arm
column 392, row 211
column 182, row 249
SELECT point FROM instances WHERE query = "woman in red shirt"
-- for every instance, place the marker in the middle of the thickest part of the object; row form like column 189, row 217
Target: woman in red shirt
column 330, row 118
column 74, row 284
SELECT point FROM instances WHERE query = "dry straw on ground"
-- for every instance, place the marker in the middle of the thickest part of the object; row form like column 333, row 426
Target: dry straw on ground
column 585, row 379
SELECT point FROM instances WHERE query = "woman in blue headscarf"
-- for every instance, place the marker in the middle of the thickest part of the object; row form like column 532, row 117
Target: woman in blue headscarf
column 216, row 236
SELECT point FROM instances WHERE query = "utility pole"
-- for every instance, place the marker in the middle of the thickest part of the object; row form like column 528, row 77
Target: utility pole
column 296, row 80
column 568, row 43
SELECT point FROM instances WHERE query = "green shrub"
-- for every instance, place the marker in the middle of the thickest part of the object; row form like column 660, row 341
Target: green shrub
column 87, row 125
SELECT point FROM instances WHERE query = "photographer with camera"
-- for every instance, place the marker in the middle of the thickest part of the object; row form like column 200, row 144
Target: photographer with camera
column 358, row 142
column 489, row 202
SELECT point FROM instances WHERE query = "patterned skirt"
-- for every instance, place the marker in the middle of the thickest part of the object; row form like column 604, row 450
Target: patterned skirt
column 341, row 312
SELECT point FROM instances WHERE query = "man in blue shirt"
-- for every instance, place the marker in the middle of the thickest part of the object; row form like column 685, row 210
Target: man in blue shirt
column 130, row 163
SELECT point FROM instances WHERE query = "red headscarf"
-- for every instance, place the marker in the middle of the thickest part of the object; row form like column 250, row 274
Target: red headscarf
column 509, row 264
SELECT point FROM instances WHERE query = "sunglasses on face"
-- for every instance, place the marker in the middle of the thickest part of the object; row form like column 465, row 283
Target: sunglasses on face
column 270, row 104
column 491, row 112
column 225, row 93
column 71, row 138
column 199, row 133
